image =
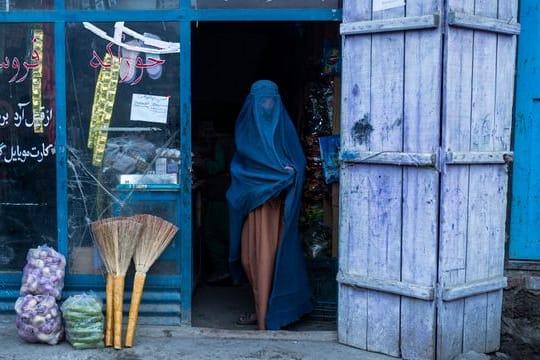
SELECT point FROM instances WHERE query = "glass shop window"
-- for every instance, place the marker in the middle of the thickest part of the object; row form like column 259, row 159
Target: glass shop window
column 27, row 142
column 11, row 5
column 265, row 4
column 121, row 4
column 122, row 131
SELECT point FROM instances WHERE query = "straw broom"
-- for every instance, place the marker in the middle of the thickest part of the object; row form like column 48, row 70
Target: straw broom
column 155, row 237
column 126, row 234
column 104, row 242
column 116, row 239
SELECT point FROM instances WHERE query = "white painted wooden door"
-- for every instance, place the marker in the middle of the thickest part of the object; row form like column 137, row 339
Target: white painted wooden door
column 478, row 93
column 389, row 181
column 425, row 138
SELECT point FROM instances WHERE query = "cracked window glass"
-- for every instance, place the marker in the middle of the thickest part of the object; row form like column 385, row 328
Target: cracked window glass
column 266, row 4
column 121, row 4
column 27, row 142
column 11, row 5
column 122, row 132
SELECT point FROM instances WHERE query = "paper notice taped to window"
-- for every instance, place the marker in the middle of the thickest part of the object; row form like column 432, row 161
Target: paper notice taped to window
column 149, row 108
column 379, row 5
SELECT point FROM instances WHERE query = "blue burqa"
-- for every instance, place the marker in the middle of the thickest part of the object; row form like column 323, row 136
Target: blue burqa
column 269, row 162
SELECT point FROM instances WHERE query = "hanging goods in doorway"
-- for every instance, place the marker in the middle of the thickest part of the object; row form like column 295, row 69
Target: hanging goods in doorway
column 36, row 81
column 102, row 107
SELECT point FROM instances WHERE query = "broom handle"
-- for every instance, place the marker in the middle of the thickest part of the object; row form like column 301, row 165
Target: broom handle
column 119, row 281
column 109, row 310
column 138, row 285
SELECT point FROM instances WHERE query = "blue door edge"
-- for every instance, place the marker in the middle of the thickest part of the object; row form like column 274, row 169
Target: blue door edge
column 524, row 212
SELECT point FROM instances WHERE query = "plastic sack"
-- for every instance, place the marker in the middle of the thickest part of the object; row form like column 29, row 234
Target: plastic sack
column 128, row 154
column 83, row 318
column 44, row 272
column 331, row 60
column 317, row 241
column 38, row 319
column 330, row 146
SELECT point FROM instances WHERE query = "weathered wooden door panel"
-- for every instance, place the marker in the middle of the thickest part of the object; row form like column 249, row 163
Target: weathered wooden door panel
column 423, row 56
column 478, row 93
column 384, row 186
column 389, row 199
column 525, row 222
column 352, row 302
column 423, row 192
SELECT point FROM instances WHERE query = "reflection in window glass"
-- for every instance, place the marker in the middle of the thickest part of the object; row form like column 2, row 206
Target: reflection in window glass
column 121, row 4
column 10, row 5
column 27, row 142
column 123, row 138
column 266, row 4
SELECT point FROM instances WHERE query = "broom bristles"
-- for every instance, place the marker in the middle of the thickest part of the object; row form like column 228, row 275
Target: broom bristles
column 127, row 234
column 116, row 239
column 103, row 241
column 155, row 236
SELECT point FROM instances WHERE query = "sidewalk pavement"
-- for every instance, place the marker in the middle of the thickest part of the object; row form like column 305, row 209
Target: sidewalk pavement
column 169, row 342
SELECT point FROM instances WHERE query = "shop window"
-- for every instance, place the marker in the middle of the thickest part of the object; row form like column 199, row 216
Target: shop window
column 27, row 142
column 265, row 4
column 122, row 132
column 11, row 5
column 121, row 4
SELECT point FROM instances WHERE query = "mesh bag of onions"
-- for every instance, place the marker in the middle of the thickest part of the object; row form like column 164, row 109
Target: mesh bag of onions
column 44, row 272
column 38, row 319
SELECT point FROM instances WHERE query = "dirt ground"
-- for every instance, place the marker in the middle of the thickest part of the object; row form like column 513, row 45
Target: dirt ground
column 520, row 337
column 218, row 307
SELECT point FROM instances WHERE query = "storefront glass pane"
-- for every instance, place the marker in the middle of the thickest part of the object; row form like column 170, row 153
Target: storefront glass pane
column 265, row 4
column 11, row 5
column 123, row 132
column 121, row 4
column 27, row 142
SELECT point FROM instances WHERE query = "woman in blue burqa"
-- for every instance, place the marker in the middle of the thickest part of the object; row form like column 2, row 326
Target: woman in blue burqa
column 267, row 173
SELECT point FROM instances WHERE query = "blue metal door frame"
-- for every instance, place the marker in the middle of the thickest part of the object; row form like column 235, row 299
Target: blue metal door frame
column 525, row 214
column 184, row 15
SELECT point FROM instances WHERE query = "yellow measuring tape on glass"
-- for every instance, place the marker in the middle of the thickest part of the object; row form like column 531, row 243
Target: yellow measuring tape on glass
column 102, row 107
column 37, row 73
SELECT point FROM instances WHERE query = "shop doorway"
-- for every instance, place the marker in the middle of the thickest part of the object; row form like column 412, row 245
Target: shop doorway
column 302, row 59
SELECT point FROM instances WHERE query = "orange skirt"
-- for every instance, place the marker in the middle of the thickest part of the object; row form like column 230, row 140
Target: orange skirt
column 260, row 240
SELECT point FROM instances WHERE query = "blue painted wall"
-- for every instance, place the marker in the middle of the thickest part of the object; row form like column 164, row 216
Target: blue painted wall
column 525, row 215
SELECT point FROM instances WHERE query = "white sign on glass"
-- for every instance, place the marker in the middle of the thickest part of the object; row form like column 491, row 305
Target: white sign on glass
column 379, row 5
column 149, row 108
